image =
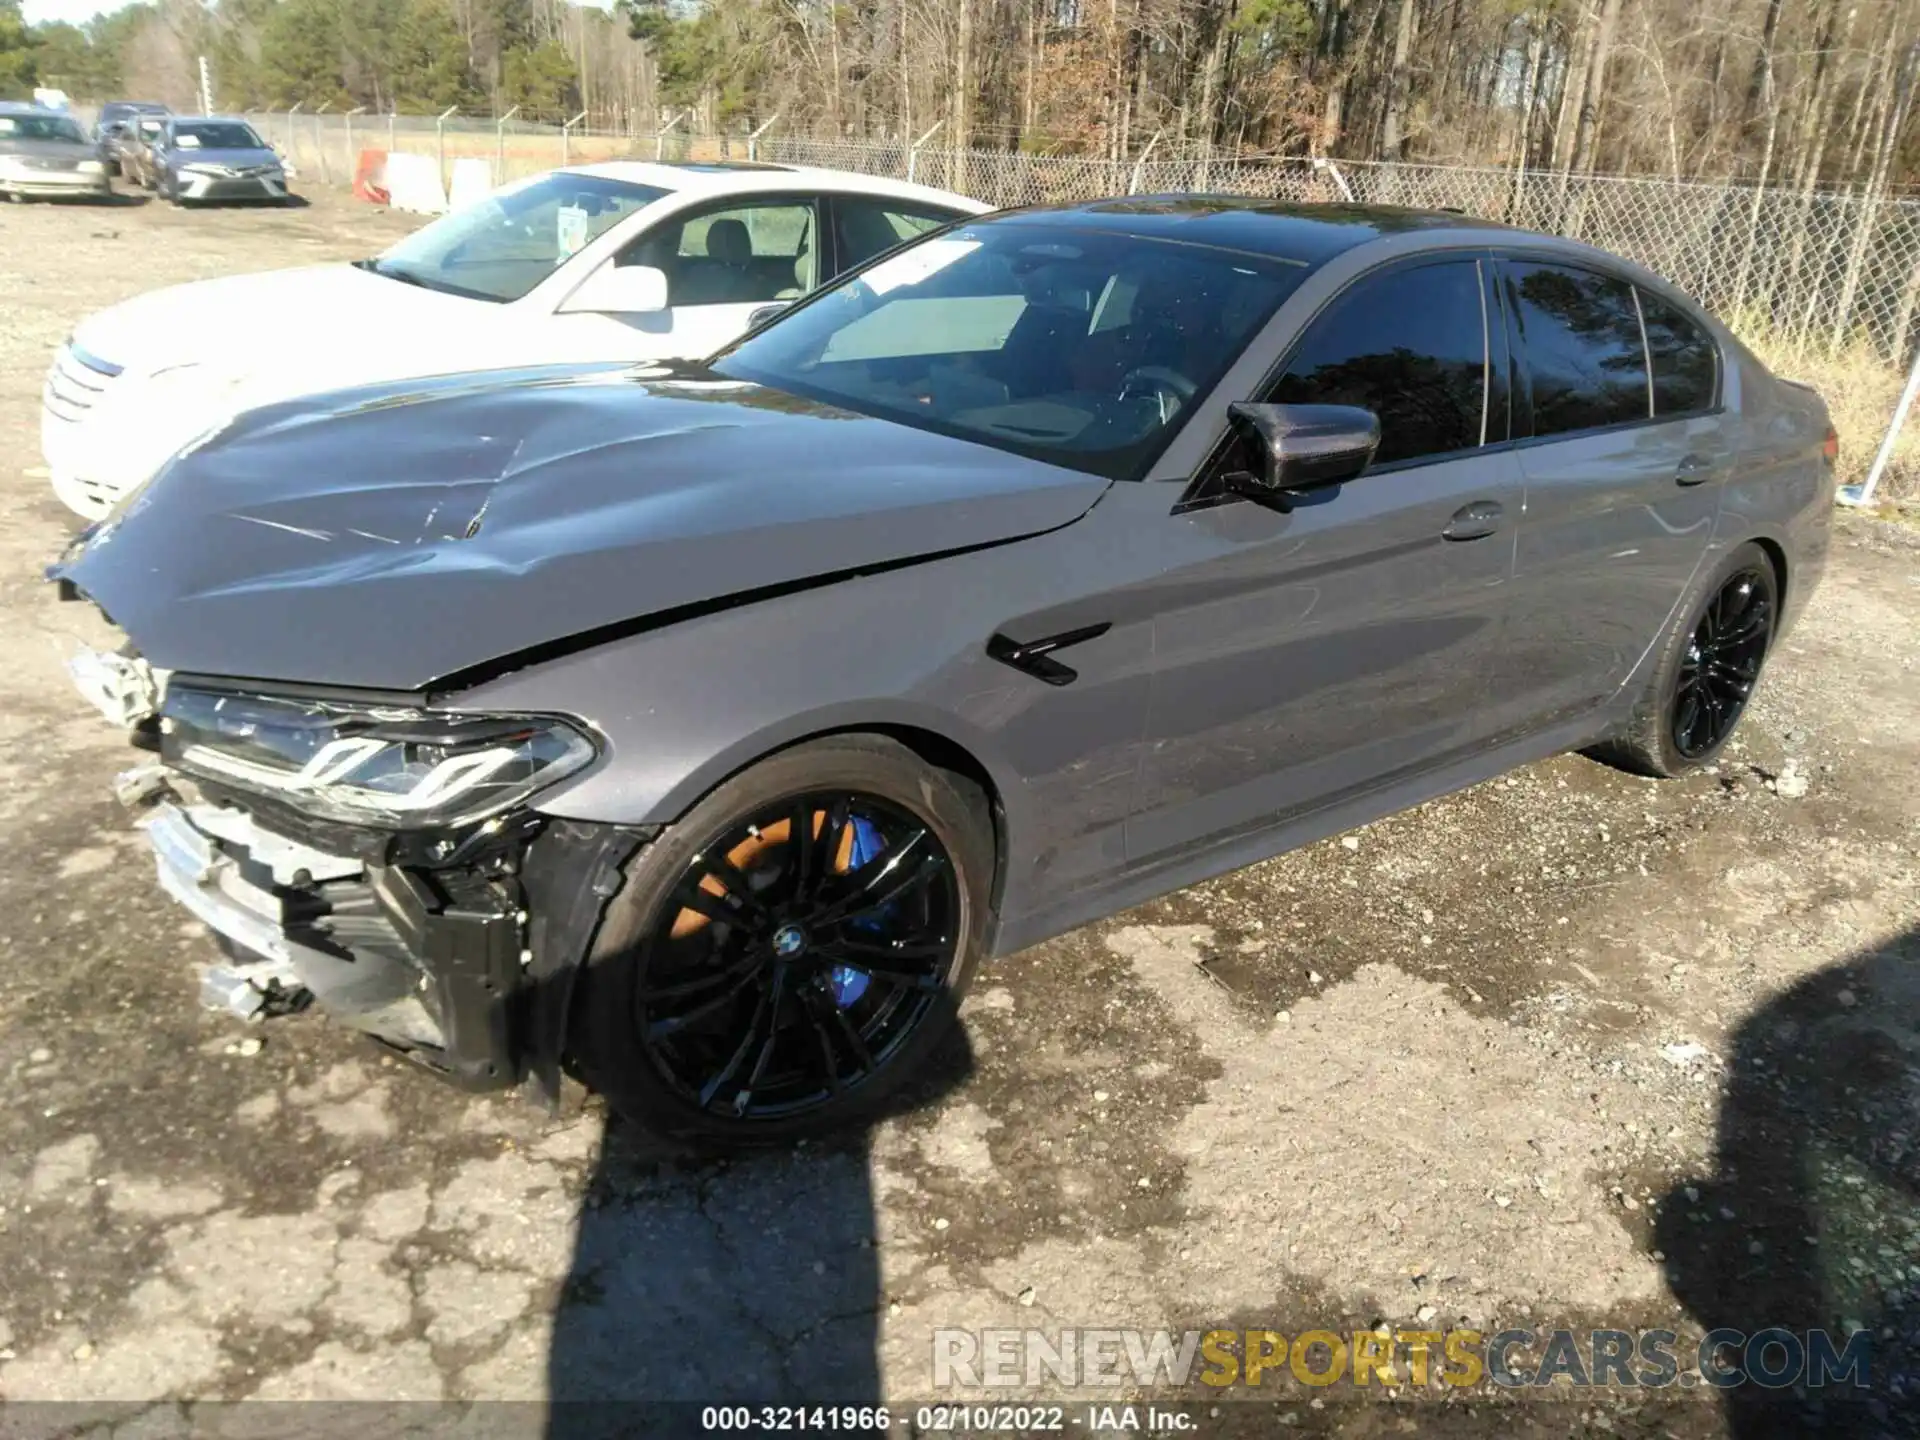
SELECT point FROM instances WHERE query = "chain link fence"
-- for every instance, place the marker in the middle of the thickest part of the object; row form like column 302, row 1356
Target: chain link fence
column 1824, row 285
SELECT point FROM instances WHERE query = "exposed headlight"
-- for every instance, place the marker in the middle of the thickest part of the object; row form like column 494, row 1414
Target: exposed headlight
column 91, row 167
column 369, row 764
column 12, row 165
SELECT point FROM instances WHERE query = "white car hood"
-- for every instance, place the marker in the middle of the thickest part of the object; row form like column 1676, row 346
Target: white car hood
column 302, row 319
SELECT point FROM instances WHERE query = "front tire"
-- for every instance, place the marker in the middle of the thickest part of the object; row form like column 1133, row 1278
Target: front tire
column 1708, row 667
column 750, row 988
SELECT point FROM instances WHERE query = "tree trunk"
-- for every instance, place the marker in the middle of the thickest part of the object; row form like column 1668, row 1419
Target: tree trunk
column 1585, row 147
column 1393, row 137
column 1759, row 87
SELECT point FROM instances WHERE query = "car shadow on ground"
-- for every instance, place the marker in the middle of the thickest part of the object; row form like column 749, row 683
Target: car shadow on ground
column 1811, row 1218
column 766, row 1289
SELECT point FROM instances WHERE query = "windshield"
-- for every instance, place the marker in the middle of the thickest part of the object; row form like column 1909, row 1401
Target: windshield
column 216, row 135
column 501, row 247
column 1077, row 347
column 40, row 127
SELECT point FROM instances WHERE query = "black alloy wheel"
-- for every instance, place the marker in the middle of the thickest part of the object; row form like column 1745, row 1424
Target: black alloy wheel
column 1722, row 662
column 807, row 944
column 788, row 958
column 1703, row 671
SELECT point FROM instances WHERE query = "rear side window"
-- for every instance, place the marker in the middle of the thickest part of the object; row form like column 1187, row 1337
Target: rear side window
column 869, row 226
column 1685, row 366
column 1583, row 347
column 1411, row 346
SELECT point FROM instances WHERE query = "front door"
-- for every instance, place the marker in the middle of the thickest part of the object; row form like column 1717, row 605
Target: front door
column 1303, row 654
column 722, row 263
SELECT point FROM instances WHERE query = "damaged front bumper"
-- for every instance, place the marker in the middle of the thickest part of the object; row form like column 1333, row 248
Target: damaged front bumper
column 463, row 966
column 452, row 941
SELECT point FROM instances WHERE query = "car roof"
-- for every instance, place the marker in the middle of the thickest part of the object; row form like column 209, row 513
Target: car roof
column 1284, row 229
column 748, row 177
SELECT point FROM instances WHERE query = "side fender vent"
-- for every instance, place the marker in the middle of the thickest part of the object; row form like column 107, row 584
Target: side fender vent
column 1035, row 657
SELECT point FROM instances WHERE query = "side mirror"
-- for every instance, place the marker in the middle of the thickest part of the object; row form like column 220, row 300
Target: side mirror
column 620, row 290
column 766, row 313
column 1303, row 446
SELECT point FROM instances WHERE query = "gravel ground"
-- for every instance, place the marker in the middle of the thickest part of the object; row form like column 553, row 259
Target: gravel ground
column 1569, row 1047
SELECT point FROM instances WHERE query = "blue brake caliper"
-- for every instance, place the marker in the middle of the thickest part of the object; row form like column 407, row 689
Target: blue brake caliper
column 848, row 983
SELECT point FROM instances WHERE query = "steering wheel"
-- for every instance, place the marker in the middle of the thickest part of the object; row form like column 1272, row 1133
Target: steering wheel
column 1168, row 388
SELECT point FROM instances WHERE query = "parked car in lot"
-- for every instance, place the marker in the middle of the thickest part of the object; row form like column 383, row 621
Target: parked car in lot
column 620, row 261
column 136, row 148
column 113, row 127
column 207, row 158
column 45, row 155
column 707, row 726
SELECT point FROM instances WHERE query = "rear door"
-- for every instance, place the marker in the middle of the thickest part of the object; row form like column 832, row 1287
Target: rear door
column 865, row 226
column 1304, row 654
column 1622, row 448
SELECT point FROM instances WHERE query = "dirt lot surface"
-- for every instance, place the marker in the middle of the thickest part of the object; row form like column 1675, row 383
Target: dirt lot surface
column 1570, row 1047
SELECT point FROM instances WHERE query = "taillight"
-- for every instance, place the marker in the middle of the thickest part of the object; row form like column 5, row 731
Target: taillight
column 1830, row 449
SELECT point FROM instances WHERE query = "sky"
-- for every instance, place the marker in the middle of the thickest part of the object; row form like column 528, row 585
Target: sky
column 75, row 12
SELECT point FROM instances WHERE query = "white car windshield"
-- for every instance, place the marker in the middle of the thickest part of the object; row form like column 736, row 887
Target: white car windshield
column 1073, row 346
column 215, row 135
column 503, row 246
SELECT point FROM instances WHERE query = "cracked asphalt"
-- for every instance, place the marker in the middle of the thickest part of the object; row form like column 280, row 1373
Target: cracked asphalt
column 1569, row 1047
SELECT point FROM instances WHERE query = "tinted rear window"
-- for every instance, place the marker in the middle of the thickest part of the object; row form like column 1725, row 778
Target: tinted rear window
column 1409, row 346
column 1583, row 347
column 1685, row 359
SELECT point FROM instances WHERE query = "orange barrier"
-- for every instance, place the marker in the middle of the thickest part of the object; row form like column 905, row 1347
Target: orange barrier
column 370, row 177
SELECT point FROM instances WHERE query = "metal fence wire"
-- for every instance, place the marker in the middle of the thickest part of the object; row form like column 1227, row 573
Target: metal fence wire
column 1818, row 273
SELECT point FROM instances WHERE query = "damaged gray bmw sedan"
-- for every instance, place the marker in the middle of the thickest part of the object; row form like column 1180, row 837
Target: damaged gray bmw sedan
column 700, row 731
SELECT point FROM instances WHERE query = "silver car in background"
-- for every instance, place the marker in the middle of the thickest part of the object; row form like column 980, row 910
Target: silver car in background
column 45, row 153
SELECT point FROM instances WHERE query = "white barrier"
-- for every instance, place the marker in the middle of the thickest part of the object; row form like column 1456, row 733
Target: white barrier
column 413, row 183
column 472, row 180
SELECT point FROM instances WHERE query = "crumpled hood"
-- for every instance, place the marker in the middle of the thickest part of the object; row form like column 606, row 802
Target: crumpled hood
column 390, row 536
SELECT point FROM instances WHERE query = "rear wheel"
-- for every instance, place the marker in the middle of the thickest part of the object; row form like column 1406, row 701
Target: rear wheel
column 1708, row 667
column 785, row 958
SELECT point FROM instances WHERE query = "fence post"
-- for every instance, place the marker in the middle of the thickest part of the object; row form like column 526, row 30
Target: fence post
column 320, row 143
column 1320, row 162
column 1862, row 494
column 1140, row 165
column 566, row 137
column 440, row 141
column 353, row 160
column 753, row 140
column 392, row 116
column 660, row 136
column 292, row 149
column 500, row 146
column 913, row 151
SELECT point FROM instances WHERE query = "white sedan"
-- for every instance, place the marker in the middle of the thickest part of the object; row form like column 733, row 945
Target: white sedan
column 623, row 261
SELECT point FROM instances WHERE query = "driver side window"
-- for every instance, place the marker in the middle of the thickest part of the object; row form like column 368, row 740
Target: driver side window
column 1409, row 345
column 743, row 255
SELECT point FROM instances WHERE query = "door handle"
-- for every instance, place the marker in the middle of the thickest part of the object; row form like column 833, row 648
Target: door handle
column 1694, row 469
column 1475, row 521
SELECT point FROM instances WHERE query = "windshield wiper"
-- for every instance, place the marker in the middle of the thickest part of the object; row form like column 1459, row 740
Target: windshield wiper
column 389, row 272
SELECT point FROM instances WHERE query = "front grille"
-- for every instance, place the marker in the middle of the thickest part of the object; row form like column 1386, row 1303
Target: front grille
column 76, row 383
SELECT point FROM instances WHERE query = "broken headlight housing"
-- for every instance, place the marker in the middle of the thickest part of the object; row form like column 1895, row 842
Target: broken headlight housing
column 368, row 764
